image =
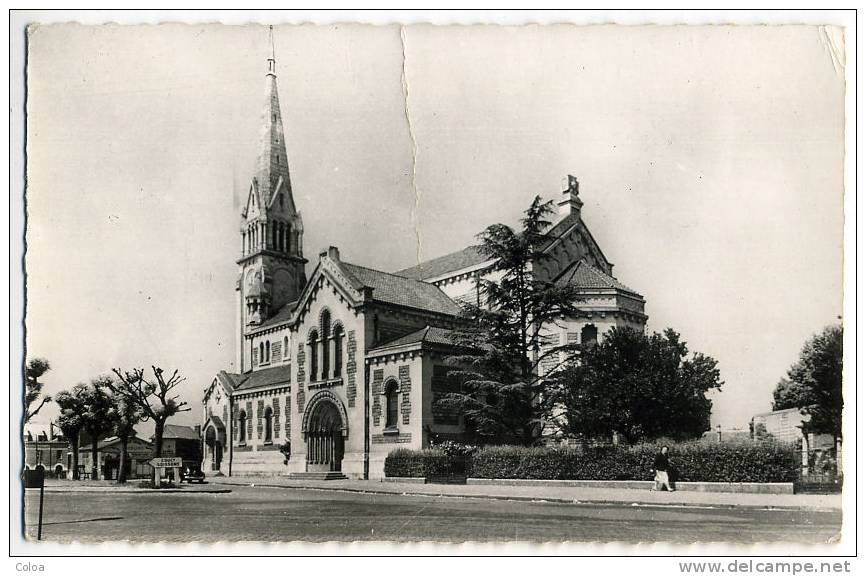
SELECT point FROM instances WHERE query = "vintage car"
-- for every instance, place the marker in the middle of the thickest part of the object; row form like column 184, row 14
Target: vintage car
column 192, row 474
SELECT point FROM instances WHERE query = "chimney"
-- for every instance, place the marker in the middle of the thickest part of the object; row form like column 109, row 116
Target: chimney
column 570, row 203
column 332, row 252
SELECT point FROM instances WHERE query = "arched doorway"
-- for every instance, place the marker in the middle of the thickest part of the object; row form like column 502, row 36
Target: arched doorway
column 324, row 438
column 214, row 448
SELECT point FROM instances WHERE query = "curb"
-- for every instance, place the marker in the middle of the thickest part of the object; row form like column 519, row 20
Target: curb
column 552, row 500
column 714, row 487
column 133, row 491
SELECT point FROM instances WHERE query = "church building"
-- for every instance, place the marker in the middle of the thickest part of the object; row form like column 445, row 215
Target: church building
column 338, row 369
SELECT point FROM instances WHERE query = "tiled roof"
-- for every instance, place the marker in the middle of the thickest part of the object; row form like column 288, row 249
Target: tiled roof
column 429, row 334
column 584, row 275
column 229, row 379
column 111, row 440
column 266, row 377
column 180, row 432
column 402, row 291
column 472, row 255
column 469, row 256
column 282, row 315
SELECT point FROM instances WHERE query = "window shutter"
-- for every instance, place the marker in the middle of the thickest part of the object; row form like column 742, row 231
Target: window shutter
column 276, row 417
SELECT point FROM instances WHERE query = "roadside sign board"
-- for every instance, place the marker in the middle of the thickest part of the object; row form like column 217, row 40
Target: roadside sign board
column 166, row 462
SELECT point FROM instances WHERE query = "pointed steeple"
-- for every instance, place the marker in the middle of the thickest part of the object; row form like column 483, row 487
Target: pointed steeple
column 272, row 170
column 272, row 230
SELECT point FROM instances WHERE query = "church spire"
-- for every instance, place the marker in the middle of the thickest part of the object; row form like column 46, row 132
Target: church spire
column 272, row 258
column 272, row 172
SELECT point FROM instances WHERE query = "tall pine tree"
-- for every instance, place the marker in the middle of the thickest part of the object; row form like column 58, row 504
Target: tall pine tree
column 502, row 393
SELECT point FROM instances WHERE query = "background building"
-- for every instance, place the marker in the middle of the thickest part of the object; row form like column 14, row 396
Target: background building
column 139, row 451
column 45, row 446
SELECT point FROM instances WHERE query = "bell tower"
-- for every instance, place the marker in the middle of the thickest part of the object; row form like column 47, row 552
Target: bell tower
column 272, row 257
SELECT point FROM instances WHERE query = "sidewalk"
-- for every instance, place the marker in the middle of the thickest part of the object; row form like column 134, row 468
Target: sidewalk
column 570, row 495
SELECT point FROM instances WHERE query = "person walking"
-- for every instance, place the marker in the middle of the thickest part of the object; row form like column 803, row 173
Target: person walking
column 661, row 467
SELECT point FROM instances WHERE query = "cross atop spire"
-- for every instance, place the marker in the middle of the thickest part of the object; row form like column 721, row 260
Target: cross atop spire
column 272, row 61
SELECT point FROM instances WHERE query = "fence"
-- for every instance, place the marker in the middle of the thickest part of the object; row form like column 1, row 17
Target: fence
column 821, row 470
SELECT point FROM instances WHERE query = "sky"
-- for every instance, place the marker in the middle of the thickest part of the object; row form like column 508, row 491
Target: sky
column 710, row 162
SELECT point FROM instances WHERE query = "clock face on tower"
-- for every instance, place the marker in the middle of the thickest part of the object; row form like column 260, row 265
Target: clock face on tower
column 252, row 277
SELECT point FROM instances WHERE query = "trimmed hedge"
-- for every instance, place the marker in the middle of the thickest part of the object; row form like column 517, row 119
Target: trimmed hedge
column 431, row 463
column 692, row 461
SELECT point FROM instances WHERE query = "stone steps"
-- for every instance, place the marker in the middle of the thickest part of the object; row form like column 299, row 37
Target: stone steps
column 317, row 476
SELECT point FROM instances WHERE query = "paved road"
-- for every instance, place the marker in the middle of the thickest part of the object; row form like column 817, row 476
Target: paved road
column 275, row 514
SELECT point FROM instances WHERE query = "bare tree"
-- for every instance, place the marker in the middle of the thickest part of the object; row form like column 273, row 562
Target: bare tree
column 154, row 397
column 124, row 415
column 33, row 387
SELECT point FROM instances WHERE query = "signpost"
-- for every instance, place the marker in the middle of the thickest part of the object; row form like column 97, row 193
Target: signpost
column 36, row 479
column 159, row 464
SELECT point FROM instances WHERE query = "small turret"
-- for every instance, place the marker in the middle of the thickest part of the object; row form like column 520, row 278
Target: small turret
column 570, row 204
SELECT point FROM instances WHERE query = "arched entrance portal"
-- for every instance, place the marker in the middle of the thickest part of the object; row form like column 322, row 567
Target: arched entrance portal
column 214, row 448
column 324, row 438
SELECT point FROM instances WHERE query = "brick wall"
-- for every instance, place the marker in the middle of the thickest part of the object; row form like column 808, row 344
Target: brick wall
column 351, row 369
column 288, row 416
column 401, row 438
column 302, row 362
column 260, row 414
column 378, row 377
column 548, row 343
column 249, row 420
column 405, row 392
column 234, row 423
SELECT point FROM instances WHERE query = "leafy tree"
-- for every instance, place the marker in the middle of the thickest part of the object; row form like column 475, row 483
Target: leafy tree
column 788, row 395
column 641, row 387
column 123, row 416
column 96, row 418
column 33, row 387
column 71, row 419
column 814, row 383
column 501, row 388
column 152, row 396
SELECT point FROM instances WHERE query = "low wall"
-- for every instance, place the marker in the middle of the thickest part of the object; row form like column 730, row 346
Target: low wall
column 734, row 487
column 406, row 480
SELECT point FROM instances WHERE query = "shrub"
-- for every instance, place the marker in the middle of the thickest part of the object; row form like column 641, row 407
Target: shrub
column 692, row 461
column 404, row 463
column 451, row 448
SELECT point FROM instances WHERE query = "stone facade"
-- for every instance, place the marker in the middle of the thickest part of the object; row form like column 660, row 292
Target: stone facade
column 358, row 355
